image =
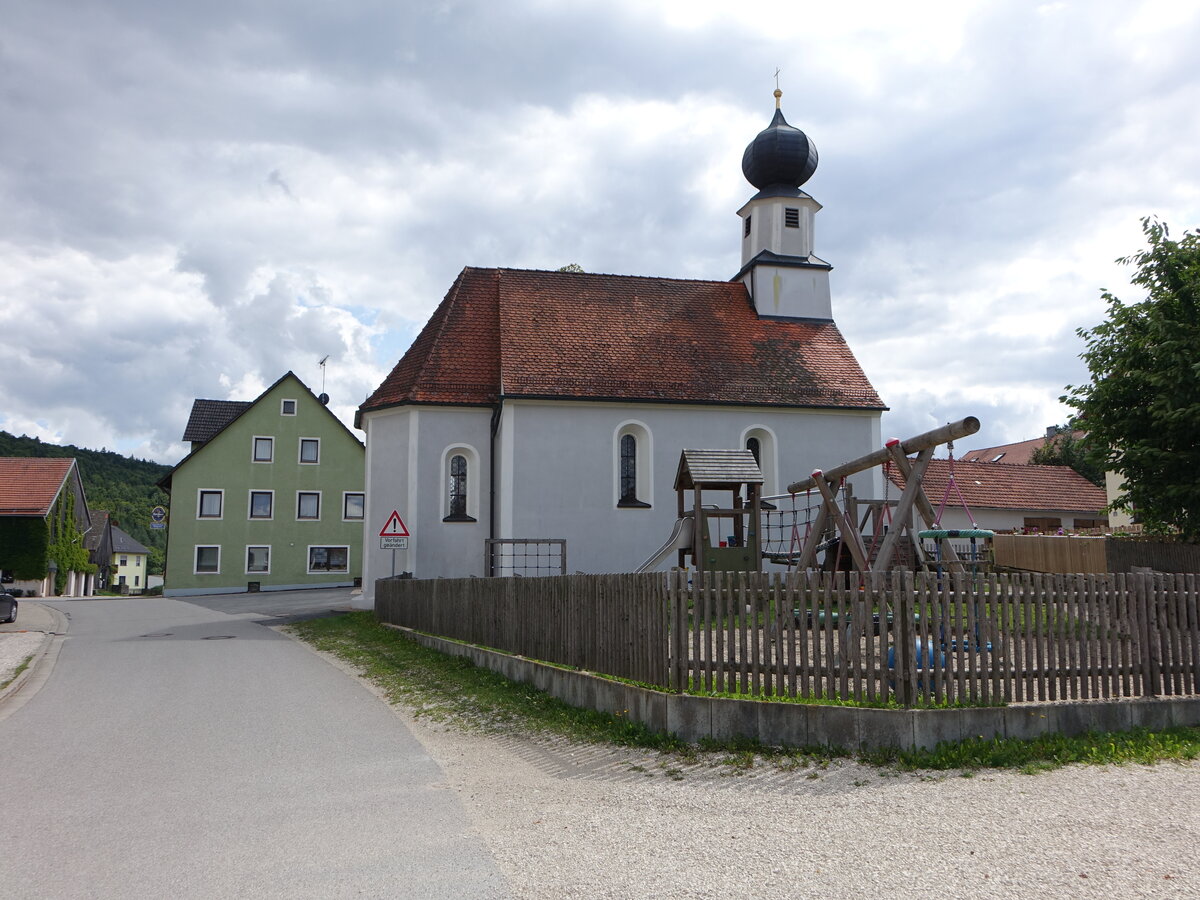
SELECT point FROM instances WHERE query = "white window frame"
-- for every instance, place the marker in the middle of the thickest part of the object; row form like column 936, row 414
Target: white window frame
column 254, row 449
column 250, row 506
column 124, row 560
column 250, row 571
column 645, row 470
column 196, row 559
column 312, row 571
column 200, row 492
column 300, row 452
column 346, row 494
column 283, row 411
column 471, row 455
column 317, row 517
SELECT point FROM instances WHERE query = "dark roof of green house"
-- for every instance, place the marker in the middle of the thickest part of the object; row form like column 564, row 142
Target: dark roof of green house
column 209, row 417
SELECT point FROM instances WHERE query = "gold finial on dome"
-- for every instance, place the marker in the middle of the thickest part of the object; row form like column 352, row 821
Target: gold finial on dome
column 778, row 92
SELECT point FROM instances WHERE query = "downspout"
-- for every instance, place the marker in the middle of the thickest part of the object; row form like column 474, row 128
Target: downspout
column 496, row 413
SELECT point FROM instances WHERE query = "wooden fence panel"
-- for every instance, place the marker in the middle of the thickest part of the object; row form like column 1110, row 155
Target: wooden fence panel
column 924, row 638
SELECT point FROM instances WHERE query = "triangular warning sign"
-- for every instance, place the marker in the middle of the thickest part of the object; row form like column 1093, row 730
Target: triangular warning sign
column 394, row 527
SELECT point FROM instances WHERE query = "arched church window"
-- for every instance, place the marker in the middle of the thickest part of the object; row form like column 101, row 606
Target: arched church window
column 633, row 476
column 457, row 506
column 753, row 445
column 628, row 469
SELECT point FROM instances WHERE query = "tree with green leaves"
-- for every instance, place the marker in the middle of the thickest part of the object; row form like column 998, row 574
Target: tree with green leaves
column 1142, row 407
column 1063, row 448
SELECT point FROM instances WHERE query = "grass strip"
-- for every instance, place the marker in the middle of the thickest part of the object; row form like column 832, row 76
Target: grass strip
column 453, row 690
column 17, row 672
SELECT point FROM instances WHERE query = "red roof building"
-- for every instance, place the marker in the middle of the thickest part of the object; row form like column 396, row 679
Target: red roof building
column 38, row 490
column 1006, row 497
column 555, row 405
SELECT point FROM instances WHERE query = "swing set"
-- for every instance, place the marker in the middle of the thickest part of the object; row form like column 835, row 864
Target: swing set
column 834, row 527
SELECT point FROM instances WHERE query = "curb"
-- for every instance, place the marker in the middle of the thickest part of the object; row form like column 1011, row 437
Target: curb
column 51, row 641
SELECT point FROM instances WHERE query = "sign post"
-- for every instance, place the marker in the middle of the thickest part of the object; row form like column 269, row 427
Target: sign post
column 394, row 536
column 158, row 517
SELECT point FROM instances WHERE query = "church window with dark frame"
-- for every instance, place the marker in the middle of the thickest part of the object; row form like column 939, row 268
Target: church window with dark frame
column 753, row 445
column 629, row 473
column 457, row 505
column 791, row 218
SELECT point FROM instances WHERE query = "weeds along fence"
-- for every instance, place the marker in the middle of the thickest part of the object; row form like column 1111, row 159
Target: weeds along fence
column 912, row 639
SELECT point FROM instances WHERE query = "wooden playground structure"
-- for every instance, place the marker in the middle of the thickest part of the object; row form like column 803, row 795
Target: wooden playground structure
column 885, row 536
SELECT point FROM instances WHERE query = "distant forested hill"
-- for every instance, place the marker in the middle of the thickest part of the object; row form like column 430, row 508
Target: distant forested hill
column 123, row 486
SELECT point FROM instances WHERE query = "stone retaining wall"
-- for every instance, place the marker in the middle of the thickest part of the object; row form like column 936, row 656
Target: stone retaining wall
column 693, row 718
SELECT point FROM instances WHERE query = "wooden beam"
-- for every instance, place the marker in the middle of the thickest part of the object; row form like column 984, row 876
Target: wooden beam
column 846, row 526
column 934, row 438
column 924, row 507
column 912, row 487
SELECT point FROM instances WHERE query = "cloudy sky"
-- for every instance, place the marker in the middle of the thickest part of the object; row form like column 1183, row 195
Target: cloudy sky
column 196, row 197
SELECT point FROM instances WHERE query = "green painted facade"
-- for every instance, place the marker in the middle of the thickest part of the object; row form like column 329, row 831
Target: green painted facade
column 293, row 513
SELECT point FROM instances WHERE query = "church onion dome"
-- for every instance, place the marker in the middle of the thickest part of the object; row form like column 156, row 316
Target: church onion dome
column 780, row 155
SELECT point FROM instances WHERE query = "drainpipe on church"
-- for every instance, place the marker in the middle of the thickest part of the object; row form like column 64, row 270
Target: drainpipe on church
column 491, row 568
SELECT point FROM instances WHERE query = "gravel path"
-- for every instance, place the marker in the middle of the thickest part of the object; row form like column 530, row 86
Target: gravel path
column 15, row 648
column 565, row 820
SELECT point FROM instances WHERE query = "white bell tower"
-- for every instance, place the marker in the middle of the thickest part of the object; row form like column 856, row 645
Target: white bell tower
column 781, row 272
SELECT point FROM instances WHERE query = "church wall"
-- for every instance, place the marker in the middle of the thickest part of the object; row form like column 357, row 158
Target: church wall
column 407, row 471
column 564, row 468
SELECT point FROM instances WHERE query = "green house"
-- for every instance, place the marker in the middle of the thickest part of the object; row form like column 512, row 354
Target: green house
column 269, row 498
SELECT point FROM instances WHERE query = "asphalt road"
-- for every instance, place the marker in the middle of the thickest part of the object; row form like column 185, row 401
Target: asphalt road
column 282, row 605
column 180, row 751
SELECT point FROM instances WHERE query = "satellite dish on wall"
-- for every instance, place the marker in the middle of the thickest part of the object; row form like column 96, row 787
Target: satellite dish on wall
column 324, row 398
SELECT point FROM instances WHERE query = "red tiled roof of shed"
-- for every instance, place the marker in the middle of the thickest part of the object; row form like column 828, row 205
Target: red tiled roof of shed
column 29, row 485
column 988, row 485
column 567, row 335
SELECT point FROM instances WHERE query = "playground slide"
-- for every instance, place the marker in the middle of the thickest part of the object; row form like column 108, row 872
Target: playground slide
column 681, row 538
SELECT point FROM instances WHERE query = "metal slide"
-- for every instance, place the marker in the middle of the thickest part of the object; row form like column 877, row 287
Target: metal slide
column 680, row 539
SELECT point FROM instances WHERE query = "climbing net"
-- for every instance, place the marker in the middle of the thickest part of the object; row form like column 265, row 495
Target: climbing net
column 787, row 521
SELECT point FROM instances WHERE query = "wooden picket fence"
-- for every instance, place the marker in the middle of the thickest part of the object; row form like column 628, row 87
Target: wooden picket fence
column 913, row 639
column 614, row 624
column 920, row 640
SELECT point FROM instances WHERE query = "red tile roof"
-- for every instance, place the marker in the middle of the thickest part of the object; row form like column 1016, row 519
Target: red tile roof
column 1018, row 454
column 566, row 335
column 987, row 485
column 29, row 486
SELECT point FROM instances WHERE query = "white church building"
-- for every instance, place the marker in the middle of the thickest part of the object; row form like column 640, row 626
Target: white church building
column 555, row 405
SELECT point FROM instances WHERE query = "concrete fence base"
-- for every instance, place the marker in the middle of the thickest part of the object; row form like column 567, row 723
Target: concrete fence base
column 693, row 718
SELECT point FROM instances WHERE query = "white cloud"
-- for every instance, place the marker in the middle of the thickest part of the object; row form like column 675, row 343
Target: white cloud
column 196, row 198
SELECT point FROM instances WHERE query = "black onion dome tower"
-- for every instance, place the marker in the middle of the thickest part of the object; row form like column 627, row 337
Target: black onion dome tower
column 784, row 277
column 781, row 155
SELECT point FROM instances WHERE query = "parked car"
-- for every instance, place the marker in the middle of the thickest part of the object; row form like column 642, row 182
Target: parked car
column 8, row 608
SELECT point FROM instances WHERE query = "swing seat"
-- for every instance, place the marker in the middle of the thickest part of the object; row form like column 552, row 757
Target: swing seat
column 942, row 533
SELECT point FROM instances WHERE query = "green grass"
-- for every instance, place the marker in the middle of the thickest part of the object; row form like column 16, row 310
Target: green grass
column 452, row 690
column 1048, row 752
column 16, row 672
column 443, row 688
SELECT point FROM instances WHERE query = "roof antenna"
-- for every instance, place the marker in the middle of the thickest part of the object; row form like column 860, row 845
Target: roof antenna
column 323, row 397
